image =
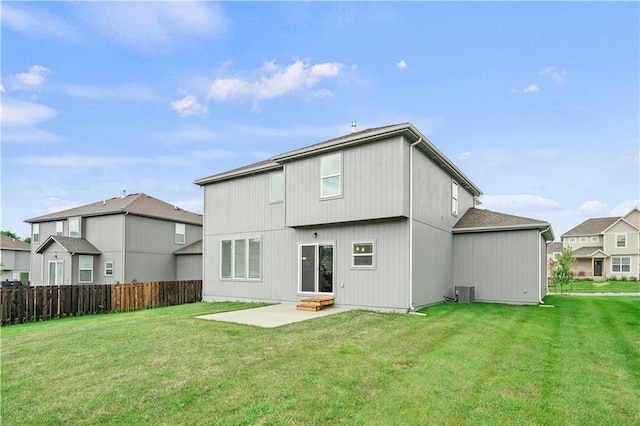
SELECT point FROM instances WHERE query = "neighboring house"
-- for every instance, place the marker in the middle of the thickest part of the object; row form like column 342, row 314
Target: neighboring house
column 606, row 247
column 118, row 240
column 554, row 250
column 14, row 255
column 367, row 218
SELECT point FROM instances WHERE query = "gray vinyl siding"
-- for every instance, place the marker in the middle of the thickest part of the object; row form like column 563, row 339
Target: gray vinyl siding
column 503, row 266
column 14, row 261
column 432, row 264
column 373, row 186
column 189, row 267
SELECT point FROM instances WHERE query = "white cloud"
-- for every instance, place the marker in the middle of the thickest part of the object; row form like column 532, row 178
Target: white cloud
column 34, row 77
column 532, row 88
column 624, row 207
column 519, row 203
column 276, row 81
column 402, row 64
column 592, row 208
column 29, row 135
column 96, row 162
column 156, row 25
column 30, row 21
column 188, row 105
column 472, row 158
column 21, row 113
column 556, row 75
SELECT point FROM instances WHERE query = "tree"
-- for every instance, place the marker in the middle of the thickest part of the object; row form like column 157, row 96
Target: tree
column 10, row 234
column 561, row 268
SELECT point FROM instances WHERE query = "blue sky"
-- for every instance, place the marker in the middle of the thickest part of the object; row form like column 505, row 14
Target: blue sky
column 537, row 103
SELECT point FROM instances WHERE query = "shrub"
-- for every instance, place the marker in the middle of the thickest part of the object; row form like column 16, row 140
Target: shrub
column 613, row 278
column 633, row 278
column 623, row 278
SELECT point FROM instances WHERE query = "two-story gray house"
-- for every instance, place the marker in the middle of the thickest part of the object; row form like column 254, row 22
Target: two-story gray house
column 14, row 256
column 133, row 238
column 367, row 218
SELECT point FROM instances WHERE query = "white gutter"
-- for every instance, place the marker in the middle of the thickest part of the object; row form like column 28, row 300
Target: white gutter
column 124, row 244
column 411, row 307
column 540, row 263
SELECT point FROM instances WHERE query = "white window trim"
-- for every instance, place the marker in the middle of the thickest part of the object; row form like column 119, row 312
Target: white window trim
column 246, row 259
column 279, row 173
column 572, row 239
column 372, row 254
column 35, row 233
column 625, row 240
column 183, row 234
column 49, row 272
column 80, row 269
column 106, row 269
column 454, row 197
column 620, row 264
column 72, row 220
column 59, row 227
column 583, row 239
column 595, row 239
column 323, row 177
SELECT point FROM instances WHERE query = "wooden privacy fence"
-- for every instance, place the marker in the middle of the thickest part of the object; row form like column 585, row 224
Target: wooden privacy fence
column 41, row 303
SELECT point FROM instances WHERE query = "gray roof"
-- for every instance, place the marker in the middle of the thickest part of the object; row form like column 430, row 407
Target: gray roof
column 137, row 204
column 593, row 226
column 586, row 251
column 554, row 247
column 479, row 220
column 8, row 243
column 70, row 245
column 193, row 248
column 355, row 138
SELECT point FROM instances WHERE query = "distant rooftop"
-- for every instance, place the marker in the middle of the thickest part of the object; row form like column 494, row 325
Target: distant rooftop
column 138, row 204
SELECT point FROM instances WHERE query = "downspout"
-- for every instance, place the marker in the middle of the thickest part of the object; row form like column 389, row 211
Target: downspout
column 411, row 307
column 540, row 256
column 124, row 251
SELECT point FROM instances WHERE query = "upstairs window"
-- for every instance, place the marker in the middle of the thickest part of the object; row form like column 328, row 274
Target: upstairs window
column 74, row 227
column 86, row 269
column 331, row 175
column 454, row 198
column 595, row 239
column 59, row 227
column 621, row 240
column 583, row 239
column 277, row 187
column 180, row 233
column 35, row 233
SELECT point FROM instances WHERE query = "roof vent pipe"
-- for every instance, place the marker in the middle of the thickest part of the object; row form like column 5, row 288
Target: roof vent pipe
column 353, row 127
column 124, row 192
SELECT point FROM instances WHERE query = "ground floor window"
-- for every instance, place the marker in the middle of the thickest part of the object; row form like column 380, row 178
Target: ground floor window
column 621, row 264
column 56, row 272
column 240, row 259
column 108, row 269
column 86, row 269
column 362, row 255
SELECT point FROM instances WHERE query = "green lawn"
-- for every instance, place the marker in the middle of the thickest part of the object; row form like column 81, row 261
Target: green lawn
column 600, row 287
column 576, row 364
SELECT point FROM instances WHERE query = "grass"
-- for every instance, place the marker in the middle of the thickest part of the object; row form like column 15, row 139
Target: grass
column 577, row 363
column 601, row 287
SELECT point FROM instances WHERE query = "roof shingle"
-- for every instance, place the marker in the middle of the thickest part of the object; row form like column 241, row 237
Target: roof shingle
column 70, row 245
column 593, row 226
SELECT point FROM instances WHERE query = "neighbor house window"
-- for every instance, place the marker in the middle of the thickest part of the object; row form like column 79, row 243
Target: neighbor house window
column 59, row 227
column 86, row 269
column 595, row 239
column 621, row 240
column 583, row 239
column 621, row 264
column 362, row 255
column 108, row 269
column 74, row 227
column 56, row 272
column 180, row 233
column 572, row 239
column 35, row 233
column 454, row 198
column 241, row 259
column 277, row 187
column 331, row 175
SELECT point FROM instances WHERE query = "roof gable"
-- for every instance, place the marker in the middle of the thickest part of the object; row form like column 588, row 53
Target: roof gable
column 193, row 248
column 482, row 220
column 70, row 245
column 138, row 204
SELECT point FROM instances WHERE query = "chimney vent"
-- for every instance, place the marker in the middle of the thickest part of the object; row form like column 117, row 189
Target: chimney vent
column 353, row 127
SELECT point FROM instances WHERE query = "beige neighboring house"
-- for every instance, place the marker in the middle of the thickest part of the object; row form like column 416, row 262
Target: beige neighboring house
column 606, row 247
column 554, row 250
column 14, row 255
